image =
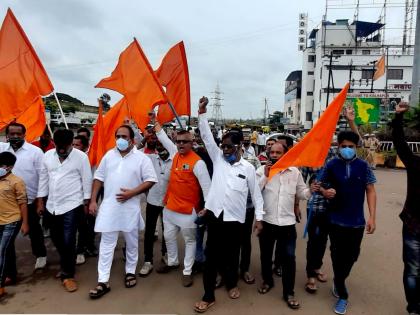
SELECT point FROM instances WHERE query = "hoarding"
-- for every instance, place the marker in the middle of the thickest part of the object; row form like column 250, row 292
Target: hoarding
column 367, row 110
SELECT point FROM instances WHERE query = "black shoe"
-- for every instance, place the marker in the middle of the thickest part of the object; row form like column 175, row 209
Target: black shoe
column 198, row 267
column 91, row 252
column 278, row 271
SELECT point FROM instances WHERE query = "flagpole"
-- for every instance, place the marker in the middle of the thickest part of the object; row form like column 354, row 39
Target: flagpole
column 61, row 110
column 176, row 115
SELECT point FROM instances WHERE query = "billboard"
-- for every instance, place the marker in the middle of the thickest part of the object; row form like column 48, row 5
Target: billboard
column 367, row 109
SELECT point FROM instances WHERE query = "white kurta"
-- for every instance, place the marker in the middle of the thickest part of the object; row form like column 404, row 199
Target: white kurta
column 118, row 172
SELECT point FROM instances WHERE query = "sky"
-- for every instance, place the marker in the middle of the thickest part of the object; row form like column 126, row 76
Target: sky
column 247, row 47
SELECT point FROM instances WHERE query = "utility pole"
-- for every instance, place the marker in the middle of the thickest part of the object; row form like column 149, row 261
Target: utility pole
column 416, row 64
column 329, row 80
column 266, row 112
column 217, row 105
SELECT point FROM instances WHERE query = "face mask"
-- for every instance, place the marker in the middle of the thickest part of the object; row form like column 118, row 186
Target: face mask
column 347, row 153
column 122, row 144
column 273, row 161
column 16, row 142
column 163, row 154
column 3, row 172
column 65, row 154
column 231, row 158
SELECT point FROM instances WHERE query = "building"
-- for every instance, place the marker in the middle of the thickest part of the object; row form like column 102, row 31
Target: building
column 85, row 115
column 292, row 94
column 340, row 52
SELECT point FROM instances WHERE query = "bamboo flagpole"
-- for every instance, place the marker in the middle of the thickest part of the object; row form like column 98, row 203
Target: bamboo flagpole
column 61, row 110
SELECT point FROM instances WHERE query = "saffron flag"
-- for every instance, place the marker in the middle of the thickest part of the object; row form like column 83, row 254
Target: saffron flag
column 312, row 150
column 173, row 75
column 380, row 68
column 34, row 120
column 97, row 147
column 22, row 77
column 134, row 78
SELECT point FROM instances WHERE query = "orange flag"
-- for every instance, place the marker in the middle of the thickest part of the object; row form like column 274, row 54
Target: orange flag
column 312, row 150
column 97, row 147
column 134, row 78
column 34, row 120
column 173, row 75
column 380, row 68
column 22, row 77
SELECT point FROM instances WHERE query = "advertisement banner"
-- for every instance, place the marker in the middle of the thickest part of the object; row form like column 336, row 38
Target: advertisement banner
column 367, row 110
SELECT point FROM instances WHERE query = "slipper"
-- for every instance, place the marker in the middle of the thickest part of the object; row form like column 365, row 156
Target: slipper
column 248, row 278
column 234, row 293
column 311, row 286
column 292, row 302
column 322, row 277
column 130, row 280
column 2, row 292
column 264, row 288
column 70, row 284
column 202, row 306
column 100, row 290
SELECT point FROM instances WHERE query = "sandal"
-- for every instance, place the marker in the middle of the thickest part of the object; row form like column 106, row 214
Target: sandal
column 130, row 280
column 264, row 288
column 292, row 302
column 70, row 284
column 202, row 306
column 234, row 293
column 248, row 278
column 2, row 292
column 322, row 277
column 311, row 286
column 100, row 290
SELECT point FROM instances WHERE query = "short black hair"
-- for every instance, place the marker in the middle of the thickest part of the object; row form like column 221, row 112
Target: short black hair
column 84, row 129
column 63, row 137
column 349, row 136
column 130, row 130
column 7, row 158
column 289, row 140
column 83, row 139
column 15, row 124
column 235, row 136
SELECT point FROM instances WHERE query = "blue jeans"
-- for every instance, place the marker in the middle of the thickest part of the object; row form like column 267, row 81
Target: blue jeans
column 411, row 278
column 8, row 233
column 63, row 234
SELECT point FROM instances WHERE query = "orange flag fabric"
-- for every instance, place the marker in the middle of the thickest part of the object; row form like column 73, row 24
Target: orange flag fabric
column 380, row 68
column 34, row 120
column 134, row 78
column 173, row 75
column 312, row 150
column 22, row 77
column 97, row 147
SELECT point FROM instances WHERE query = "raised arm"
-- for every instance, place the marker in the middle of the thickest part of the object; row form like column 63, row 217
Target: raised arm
column 398, row 138
column 205, row 132
column 164, row 139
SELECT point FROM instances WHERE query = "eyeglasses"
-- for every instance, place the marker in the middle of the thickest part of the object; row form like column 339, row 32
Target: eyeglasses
column 228, row 146
column 182, row 141
column 121, row 136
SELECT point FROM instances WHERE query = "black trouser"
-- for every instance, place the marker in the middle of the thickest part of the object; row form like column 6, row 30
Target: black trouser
column 36, row 234
column 152, row 216
column 246, row 241
column 63, row 234
column 222, row 253
column 86, row 229
column 317, row 242
column 345, row 249
column 411, row 277
column 286, row 240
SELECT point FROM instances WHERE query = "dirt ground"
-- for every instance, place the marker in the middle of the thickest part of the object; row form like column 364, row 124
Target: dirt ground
column 375, row 284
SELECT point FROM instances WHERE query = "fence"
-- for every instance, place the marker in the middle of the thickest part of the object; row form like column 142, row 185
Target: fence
column 387, row 146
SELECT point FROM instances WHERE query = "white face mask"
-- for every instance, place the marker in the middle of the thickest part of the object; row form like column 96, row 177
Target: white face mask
column 3, row 171
column 122, row 144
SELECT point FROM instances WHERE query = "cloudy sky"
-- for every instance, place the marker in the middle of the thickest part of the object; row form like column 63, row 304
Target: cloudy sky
column 248, row 47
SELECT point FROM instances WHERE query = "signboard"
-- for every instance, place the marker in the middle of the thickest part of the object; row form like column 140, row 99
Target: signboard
column 367, row 110
column 303, row 21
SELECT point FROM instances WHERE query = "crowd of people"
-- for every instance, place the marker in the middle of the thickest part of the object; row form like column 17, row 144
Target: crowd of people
column 197, row 186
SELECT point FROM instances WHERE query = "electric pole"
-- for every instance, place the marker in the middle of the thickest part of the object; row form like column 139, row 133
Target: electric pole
column 416, row 64
column 217, row 105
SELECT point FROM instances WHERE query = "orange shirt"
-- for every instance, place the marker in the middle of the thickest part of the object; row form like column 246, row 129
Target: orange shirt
column 12, row 196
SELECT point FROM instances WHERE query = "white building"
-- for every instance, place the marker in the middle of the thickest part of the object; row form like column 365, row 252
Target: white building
column 292, row 94
column 350, row 50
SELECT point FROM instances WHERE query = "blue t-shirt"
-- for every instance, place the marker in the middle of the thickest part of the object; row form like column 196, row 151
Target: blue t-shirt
column 349, row 179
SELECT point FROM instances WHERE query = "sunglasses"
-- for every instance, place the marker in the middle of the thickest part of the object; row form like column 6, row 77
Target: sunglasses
column 182, row 141
column 347, row 146
column 228, row 146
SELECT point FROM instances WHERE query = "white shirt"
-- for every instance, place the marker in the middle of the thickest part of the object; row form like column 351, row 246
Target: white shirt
column 261, row 139
column 117, row 172
column 279, row 195
column 66, row 184
column 230, row 183
column 249, row 151
column 28, row 166
column 200, row 171
column 163, row 170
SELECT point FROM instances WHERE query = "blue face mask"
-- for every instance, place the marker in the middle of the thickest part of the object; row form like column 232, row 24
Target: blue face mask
column 347, row 153
column 231, row 158
column 3, row 172
column 122, row 144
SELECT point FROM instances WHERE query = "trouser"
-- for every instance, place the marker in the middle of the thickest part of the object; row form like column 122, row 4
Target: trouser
column 36, row 233
column 152, row 216
column 8, row 233
column 106, row 253
column 171, row 232
column 199, row 248
column 411, row 278
column 345, row 250
column 286, row 238
column 86, row 229
column 246, row 241
column 222, row 253
column 317, row 242
column 63, row 230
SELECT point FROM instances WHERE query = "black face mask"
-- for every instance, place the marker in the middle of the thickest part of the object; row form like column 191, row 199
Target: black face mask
column 65, row 154
column 16, row 142
column 273, row 161
column 44, row 142
column 164, row 155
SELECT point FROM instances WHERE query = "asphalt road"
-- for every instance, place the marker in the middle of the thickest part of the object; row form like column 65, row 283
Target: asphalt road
column 375, row 284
